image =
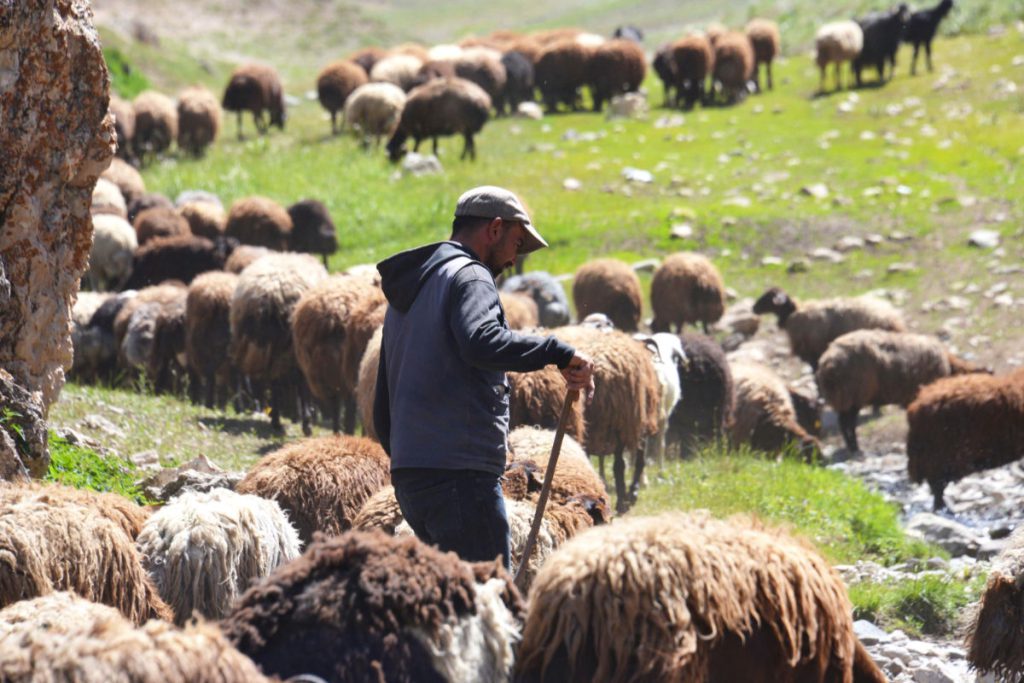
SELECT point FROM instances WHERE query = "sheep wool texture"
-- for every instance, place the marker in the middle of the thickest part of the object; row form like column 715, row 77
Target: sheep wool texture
column 259, row 221
column 320, row 483
column 375, row 109
column 483, row 66
column 574, row 477
column 837, row 42
column 686, row 288
column 380, row 511
column 520, row 310
column 335, row 83
column 107, row 199
column 365, row 606
column 122, row 512
column 724, row 590
column 127, row 178
column 63, row 638
column 205, row 219
column 615, row 67
column 46, row 548
column 995, row 640
column 734, row 62
column 165, row 294
column 397, row 69
column 199, row 116
column 110, row 259
column 764, row 415
column 181, row 257
column 611, row 287
column 124, row 125
column 156, row 122
column 366, row 387
column 203, row 550
column 159, row 221
column 208, row 323
column 536, row 400
column 242, row 256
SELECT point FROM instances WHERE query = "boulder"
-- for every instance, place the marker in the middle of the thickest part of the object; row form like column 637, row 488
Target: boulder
column 23, row 438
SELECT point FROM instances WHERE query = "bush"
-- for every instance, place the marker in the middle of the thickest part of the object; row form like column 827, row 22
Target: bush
column 125, row 80
column 924, row 605
column 83, row 468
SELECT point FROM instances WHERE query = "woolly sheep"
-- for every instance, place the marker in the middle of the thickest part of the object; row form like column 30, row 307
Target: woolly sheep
column 259, row 221
column 962, row 425
column 163, row 294
column 441, row 108
column 367, row 57
column 156, row 123
column 706, row 406
column 95, row 349
column 574, row 476
column 191, row 196
column 62, row 637
column 199, row 117
column 536, row 400
column 313, row 231
column 412, row 49
column 812, row 325
column 764, row 38
column 617, row 66
column 447, row 52
column 664, row 67
column 764, row 415
column 519, row 82
column 485, row 68
column 374, row 110
column 256, row 88
column 261, row 310
column 520, row 310
column 668, row 355
column 366, row 388
column 737, row 603
column 46, row 548
column 921, row 28
column 560, row 71
column 107, row 199
column 181, row 257
column 734, row 64
column 205, row 219
column 144, row 201
column 693, row 61
column 110, row 258
column 714, row 31
column 877, row 368
column 154, row 336
column 397, row 69
column 124, row 125
column 85, row 306
column 335, row 83
column 124, row 513
column 208, row 331
column 159, row 222
column 835, row 43
column 611, row 287
column 202, row 550
column 365, row 606
column 320, row 483
column 547, row 293
column 380, row 511
column 686, row 288
column 126, row 177
column 243, row 255
column 995, row 641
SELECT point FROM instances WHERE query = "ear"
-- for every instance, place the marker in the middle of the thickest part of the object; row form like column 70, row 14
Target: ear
column 494, row 230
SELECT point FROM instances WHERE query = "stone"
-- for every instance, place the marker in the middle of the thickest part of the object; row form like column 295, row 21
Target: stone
column 631, row 105
column 825, row 254
column 983, row 239
column 681, row 231
column 24, row 445
column 529, row 110
column 936, row 672
column 145, row 459
column 956, row 538
column 817, row 190
column 646, row 266
column 571, row 184
column 800, row 265
column 849, row 243
column 102, row 424
column 868, row 633
column 900, row 267
column 637, row 175
column 771, row 261
column 416, row 165
column 199, row 475
column 57, row 137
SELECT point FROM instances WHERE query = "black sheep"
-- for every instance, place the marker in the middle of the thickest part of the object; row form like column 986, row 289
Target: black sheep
column 882, row 33
column 665, row 67
column 519, row 83
column 313, row 231
column 629, row 32
column 707, row 395
column 441, row 107
column 920, row 30
column 181, row 257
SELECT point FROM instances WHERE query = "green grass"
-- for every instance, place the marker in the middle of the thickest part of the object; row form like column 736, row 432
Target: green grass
column 125, row 79
column 82, row 468
column 928, row 605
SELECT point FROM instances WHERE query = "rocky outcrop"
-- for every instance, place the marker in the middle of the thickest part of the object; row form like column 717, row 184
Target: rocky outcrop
column 56, row 139
column 23, row 438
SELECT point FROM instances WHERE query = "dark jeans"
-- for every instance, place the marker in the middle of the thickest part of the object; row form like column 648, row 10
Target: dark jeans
column 458, row 510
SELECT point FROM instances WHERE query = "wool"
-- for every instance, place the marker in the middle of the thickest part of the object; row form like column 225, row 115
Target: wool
column 686, row 288
column 156, row 122
column 335, row 83
column 764, row 414
column 208, row 330
column 124, row 513
column 692, row 60
column 441, row 108
column 256, row 88
column 259, row 221
column 520, row 310
column 615, row 67
column 994, row 638
column 611, row 287
column 199, row 116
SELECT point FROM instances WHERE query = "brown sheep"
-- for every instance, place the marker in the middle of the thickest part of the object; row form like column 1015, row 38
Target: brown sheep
column 147, row 200
column 164, row 294
column 124, row 126
column 198, row 120
column 398, row 69
column 438, row 108
column 366, row 388
column 550, row 36
column 483, row 66
column 693, row 61
column 208, row 334
column 335, row 83
column 962, row 425
column 380, row 511
column 664, row 66
column 331, row 325
column 560, row 72
column 205, row 219
column 367, row 57
column 734, row 65
column 995, row 641
column 256, row 88
column 536, row 400
column 159, row 222
column 181, row 257
column 124, row 513
column 320, row 483
column 764, row 415
column 616, row 67
column 243, row 255
column 520, row 310
column 528, row 47
column 686, row 288
column 764, row 37
column 736, row 602
column 574, row 476
column 611, row 287
column 259, row 221
column 156, row 123
column 127, row 178
column 412, row 49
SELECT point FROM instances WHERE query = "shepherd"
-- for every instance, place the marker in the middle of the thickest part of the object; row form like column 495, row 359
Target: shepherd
column 442, row 404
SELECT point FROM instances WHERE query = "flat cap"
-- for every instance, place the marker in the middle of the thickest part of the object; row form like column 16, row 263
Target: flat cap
column 490, row 201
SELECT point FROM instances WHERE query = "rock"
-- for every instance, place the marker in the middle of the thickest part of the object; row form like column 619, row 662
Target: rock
column 646, row 266
column 900, row 267
column 102, row 424
column 936, row 672
column 631, row 105
column 817, row 190
column 849, row 243
column 868, row 633
column 956, row 538
column 57, row 137
column 421, row 164
column 145, row 459
column 198, row 475
column 529, row 110
column 983, row 239
column 771, row 261
column 825, row 254
column 740, row 319
column 23, row 446
column 800, row 265
column 681, row 231
column 637, row 175
column 571, row 184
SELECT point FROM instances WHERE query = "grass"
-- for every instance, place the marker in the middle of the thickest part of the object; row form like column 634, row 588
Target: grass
column 125, row 79
column 83, row 468
column 927, row 605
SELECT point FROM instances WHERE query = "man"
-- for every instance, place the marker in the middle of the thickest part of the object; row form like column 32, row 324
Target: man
column 442, row 404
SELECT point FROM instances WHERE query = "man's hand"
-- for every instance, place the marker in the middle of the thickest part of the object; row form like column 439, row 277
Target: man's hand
column 579, row 375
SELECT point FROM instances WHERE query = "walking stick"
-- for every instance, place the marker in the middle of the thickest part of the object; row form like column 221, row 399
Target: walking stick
column 545, row 490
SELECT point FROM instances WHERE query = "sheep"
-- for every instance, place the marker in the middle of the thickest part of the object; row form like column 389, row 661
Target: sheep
column 334, row 85
column 519, row 82
column 208, row 332
column 527, row 47
column 734, row 64
column 706, row 406
column 380, row 511
column 484, row 67
column 107, row 199
column 154, row 339
column 920, row 30
column 181, row 257
column 365, row 606
column 877, row 368
column 624, row 411
column 331, row 325
column 147, row 200
column 313, row 231
column 205, row 219
column 397, row 69
column 243, row 255
column 191, row 196
column 320, row 483
column 714, row 31
column 764, row 37
column 434, row 69
column 156, row 123
column 693, row 61
column 438, row 108
column 686, row 288
column 574, row 476
column 412, row 49
column 110, row 258
column 520, row 310
column 560, row 71
column 882, row 31
column 164, row 295
column 812, row 325
column 618, row 66
column 446, row 52
column 256, row 88
column 366, row 387
column 202, row 550
column 611, row 287
column 126, row 177
column 764, row 415
column 737, row 602
column 668, row 355
column 536, row 399
column 62, row 637
column 259, row 221
column 46, row 548
column 199, row 115
column 665, row 68
column 261, row 338
column 95, row 349
column 962, row 425
column 629, row 32
column 85, row 306
column 124, row 125
column 547, row 293
column 835, row 43
column 367, row 57
column 160, row 222
column 375, row 110
column 995, row 641
column 125, row 514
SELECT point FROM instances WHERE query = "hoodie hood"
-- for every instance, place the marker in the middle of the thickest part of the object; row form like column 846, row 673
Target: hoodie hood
column 402, row 275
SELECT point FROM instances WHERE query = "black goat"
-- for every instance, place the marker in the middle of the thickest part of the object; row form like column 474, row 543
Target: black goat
column 920, row 30
column 882, row 32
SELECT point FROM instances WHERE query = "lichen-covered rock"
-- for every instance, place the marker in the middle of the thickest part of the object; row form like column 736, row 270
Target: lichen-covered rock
column 57, row 137
column 23, row 438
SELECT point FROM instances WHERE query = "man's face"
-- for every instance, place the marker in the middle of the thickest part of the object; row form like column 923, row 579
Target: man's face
column 508, row 240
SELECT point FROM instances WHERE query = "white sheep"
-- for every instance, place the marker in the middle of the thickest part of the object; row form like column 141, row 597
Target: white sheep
column 668, row 354
column 835, row 43
column 399, row 69
column 113, row 245
column 374, row 110
column 204, row 549
column 107, row 199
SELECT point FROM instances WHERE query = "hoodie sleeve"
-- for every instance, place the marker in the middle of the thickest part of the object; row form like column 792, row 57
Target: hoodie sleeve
column 484, row 339
column 382, row 406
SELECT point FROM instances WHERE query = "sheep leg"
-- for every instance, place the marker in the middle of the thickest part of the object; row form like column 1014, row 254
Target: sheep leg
column 306, row 408
column 211, row 389
column 350, row 414
column 434, row 144
column 938, row 500
column 240, row 125
column 704, row 324
column 639, row 462
column 928, row 55
column 768, row 69
column 600, row 469
column 334, row 123
column 619, row 470
column 275, row 408
column 913, row 60
column 848, row 427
